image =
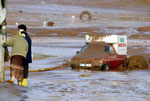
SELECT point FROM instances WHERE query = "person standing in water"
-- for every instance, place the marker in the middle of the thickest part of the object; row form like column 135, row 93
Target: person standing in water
column 18, row 56
column 22, row 30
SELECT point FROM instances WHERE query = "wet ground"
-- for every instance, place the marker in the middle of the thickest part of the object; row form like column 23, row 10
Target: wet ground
column 52, row 45
column 125, row 13
column 68, row 85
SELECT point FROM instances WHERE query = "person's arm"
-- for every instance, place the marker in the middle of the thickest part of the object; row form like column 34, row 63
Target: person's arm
column 8, row 43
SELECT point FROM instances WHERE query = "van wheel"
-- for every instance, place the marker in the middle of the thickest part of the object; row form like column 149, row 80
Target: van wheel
column 105, row 67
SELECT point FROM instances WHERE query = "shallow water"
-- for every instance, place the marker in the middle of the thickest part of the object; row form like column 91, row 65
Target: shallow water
column 68, row 85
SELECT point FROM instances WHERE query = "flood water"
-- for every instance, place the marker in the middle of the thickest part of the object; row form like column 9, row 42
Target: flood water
column 68, row 85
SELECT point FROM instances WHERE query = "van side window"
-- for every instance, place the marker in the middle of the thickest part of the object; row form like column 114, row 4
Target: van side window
column 111, row 51
column 3, row 3
column 106, row 49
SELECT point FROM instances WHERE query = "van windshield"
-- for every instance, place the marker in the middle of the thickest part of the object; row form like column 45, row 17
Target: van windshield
column 84, row 48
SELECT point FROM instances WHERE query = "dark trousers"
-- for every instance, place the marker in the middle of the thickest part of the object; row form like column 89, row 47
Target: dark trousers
column 26, row 70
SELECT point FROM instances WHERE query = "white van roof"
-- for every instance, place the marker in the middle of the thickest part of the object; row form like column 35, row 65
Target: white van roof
column 119, row 41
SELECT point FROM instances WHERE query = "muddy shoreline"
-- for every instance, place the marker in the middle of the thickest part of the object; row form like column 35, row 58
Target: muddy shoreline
column 135, row 33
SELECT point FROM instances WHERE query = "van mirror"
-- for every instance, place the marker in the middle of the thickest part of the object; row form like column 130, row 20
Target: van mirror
column 77, row 52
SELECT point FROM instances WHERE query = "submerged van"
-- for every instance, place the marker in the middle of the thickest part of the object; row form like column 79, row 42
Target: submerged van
column 101, row 53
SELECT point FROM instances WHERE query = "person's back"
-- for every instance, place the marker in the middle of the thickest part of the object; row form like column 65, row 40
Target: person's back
column 19, row 45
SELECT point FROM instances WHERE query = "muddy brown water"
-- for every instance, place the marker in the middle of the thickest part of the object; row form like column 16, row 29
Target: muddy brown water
column 70, row 85
column 67, row 84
